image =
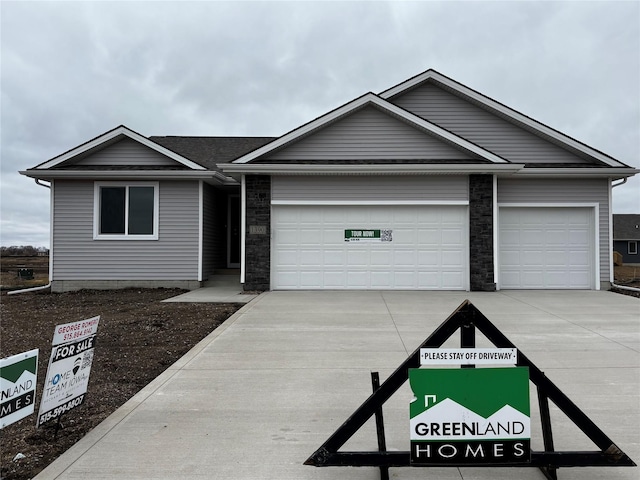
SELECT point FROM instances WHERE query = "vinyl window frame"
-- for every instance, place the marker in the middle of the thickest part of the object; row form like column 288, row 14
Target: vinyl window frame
column 97, row 235
column 632, row 247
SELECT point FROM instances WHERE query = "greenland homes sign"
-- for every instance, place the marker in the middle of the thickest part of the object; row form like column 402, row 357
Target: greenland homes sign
column 18, row 375
column 470, row 415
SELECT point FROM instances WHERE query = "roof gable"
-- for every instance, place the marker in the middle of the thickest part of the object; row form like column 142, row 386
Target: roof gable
column 496, row 108
column 370, row 134
column 94, row 151
column 370, row 101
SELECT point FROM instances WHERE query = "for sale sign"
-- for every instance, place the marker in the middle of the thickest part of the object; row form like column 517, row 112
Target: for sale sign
column 470, row 416
column 69, row 368
column 18, row 375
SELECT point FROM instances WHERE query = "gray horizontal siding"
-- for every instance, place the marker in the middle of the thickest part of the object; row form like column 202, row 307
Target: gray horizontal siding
column 481, row 127
column 558, row 191
column 369, row 134
column 127, row 152
column 370, row 188
column 77, row 256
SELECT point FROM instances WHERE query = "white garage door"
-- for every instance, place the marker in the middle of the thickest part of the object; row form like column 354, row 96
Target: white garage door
column 427, row 247
column 546, row 248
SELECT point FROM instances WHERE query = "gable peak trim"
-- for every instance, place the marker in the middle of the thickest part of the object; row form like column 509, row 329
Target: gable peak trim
column 510, row 114
column 117, row 133
column 370, row 99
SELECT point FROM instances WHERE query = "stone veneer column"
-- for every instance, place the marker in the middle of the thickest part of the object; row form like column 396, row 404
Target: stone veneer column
column 257, row 273
column 481, row 233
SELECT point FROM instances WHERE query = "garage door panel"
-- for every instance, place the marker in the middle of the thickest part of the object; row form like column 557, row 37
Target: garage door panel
column 546, row 247
column 288, row 258
column 324, row 260
column 450, row 279
column 381, row 258
column 451, row 259
column 404, row 258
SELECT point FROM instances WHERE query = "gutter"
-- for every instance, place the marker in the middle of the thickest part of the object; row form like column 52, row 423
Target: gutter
column 42, row 287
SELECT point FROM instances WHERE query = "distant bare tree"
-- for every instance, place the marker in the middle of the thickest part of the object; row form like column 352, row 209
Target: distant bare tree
column 22, row 251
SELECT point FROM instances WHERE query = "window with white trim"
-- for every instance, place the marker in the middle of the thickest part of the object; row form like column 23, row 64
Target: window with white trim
column 632, row 248
column 126, row 211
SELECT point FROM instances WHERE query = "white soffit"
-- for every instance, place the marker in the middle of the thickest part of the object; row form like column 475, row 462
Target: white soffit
column 371, row 99
column 503, row 109
column 120, row 131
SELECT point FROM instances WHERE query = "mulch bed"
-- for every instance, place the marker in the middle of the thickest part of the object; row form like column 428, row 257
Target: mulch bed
column 138, row 338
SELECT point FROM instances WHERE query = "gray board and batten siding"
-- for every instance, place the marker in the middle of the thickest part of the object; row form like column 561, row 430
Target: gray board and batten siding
column 486, row 129
column 79, row 261
column 365, row 135
column 434, row 189
column 561, row 192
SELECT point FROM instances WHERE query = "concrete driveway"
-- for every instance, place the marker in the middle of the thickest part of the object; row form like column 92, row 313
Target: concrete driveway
column 261, row 393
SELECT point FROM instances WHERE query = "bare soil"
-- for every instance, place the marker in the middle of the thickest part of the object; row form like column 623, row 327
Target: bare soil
column 138, row 338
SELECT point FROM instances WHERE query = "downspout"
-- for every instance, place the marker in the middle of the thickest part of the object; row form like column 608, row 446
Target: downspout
column 42, row 287
column 622, row 287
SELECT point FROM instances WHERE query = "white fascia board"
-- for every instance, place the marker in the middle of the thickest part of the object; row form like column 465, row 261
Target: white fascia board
column 373, row 169
column 120, row 131
column 613, row 173
column 503, row 109
column 132, row 174
column 372, row 99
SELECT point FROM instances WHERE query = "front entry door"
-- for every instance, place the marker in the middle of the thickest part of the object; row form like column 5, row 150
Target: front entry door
column 233, row 232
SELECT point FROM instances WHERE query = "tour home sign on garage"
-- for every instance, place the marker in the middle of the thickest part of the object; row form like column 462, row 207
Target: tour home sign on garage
column 371, row 235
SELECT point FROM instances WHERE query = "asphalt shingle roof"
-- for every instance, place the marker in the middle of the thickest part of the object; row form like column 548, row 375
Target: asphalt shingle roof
column 626, row 226
column 208, row 151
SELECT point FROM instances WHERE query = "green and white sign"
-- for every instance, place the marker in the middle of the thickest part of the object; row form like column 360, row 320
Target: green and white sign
column 472, row 415
column 18, row 378
column 371, row 235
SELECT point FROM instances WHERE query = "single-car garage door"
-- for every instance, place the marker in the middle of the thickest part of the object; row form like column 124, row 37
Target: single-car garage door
column 546, row 248
column 369, row 247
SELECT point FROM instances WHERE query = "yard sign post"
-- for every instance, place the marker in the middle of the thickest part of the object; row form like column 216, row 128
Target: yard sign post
column 467, row 318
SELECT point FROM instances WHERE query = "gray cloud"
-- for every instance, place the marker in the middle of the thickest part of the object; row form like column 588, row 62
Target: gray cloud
column 73, row 70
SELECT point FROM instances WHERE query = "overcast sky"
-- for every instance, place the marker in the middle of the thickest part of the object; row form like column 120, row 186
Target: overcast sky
column 73, row 70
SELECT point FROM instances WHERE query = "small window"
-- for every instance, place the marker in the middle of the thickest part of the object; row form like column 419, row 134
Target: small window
column 126, row 211
column 632, row 248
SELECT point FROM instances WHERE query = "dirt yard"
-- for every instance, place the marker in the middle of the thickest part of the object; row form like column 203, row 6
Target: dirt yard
column 138, row 338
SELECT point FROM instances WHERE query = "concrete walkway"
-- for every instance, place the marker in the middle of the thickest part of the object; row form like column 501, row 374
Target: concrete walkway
column 262, row 392
column 218, row 289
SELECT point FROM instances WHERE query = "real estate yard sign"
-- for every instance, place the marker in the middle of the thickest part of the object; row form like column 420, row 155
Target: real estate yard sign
column 18, row 378
column 471, row 415
column 69, row 368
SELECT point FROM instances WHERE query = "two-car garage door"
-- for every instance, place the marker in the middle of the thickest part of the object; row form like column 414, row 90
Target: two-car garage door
column 420, row 247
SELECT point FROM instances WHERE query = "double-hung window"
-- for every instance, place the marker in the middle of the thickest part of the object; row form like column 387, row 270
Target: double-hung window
column 632, row 248
column 126, row 211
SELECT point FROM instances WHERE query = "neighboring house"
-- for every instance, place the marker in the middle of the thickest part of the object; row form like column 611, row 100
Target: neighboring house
column 427, row 185
column 626, row 237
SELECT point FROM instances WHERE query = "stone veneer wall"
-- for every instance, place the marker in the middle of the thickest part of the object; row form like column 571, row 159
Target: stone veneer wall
column 257, row 273
column 481, row 233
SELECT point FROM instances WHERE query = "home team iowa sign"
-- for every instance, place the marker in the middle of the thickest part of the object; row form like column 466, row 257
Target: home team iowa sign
column 472, row 415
